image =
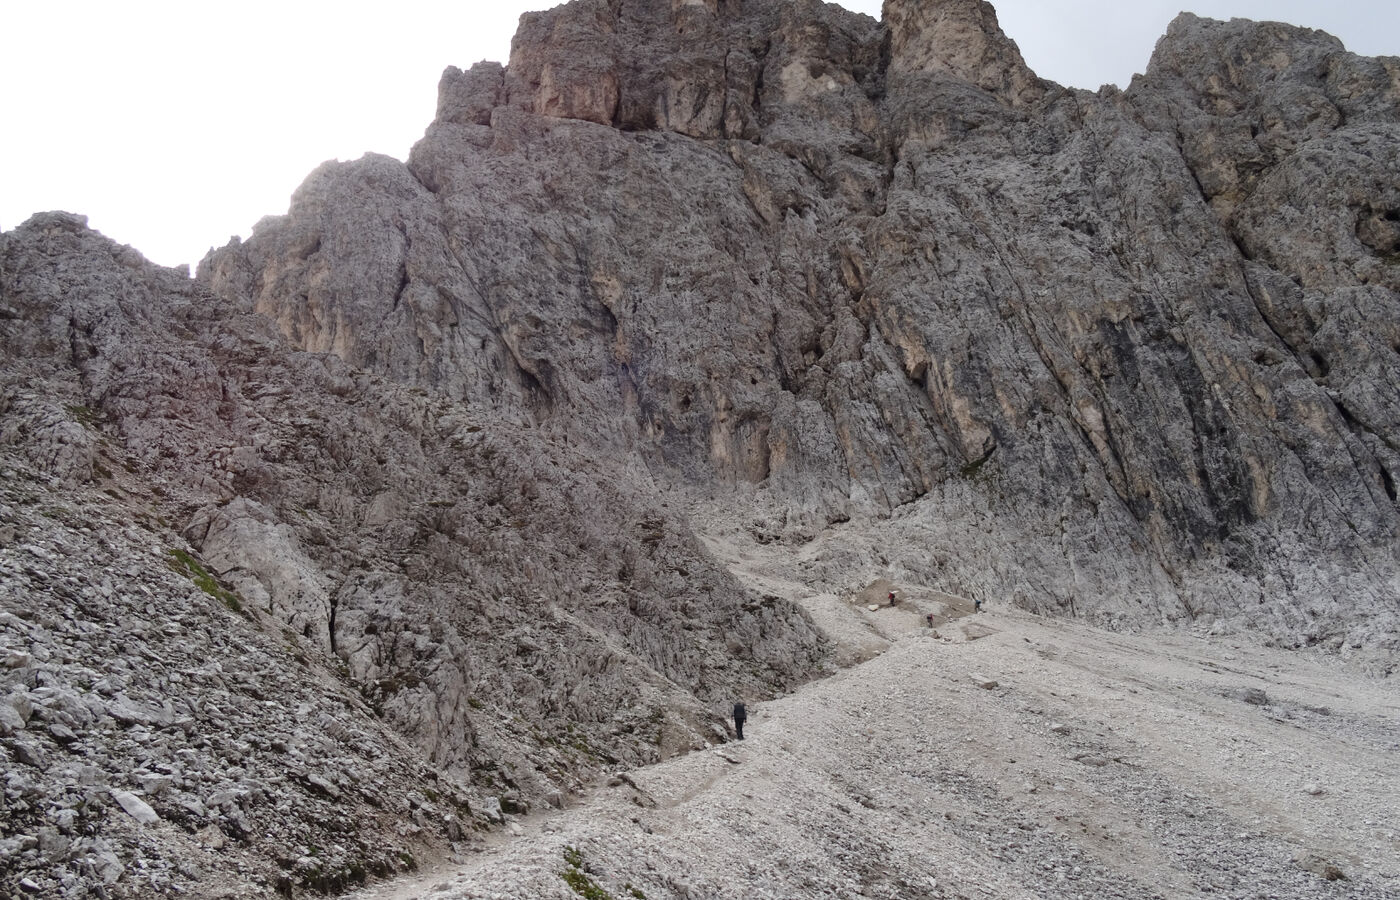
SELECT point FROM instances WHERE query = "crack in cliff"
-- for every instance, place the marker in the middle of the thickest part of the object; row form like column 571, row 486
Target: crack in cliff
column 1317, row 368
column 487, row 317
column 758, row 85
column 1113, row 466
column 1360, row 429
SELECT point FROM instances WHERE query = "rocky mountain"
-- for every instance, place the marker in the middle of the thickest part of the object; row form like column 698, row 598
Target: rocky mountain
column 859, row 266
column 295, row 567
column 403, row 513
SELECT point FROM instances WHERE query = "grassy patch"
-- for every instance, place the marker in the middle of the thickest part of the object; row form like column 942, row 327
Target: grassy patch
column 375, row 693
column 657, row 720
column 85, row 416
column 578, row 880
column 182, row 563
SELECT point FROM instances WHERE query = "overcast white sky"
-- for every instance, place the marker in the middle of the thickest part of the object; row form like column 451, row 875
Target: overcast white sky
column 174, row 125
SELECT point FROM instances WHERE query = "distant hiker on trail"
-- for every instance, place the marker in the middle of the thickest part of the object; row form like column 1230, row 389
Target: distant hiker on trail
column 977, row 604
column 930, row 620
column 740, row 714
column 893, row 601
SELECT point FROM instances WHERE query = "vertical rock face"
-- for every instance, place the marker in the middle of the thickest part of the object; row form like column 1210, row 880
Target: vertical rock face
column 858, row 264
column 961, row 41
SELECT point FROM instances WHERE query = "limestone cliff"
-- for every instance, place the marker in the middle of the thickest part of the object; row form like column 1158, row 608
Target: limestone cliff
column 1130, row 354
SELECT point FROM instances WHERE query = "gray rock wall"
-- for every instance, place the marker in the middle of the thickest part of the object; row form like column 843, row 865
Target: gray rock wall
column 514, row 614
column 780, row 245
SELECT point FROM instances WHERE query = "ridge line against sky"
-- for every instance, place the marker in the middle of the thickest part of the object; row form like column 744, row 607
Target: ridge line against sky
column 175, row 125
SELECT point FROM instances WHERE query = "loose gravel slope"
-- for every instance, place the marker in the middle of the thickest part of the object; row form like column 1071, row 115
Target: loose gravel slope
column 1101, row 765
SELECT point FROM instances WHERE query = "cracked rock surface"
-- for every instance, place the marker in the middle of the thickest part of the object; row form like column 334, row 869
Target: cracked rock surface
column 848, row 269
column 258, row 600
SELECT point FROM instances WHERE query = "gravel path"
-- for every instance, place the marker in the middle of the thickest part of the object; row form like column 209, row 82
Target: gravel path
column 1100, row 766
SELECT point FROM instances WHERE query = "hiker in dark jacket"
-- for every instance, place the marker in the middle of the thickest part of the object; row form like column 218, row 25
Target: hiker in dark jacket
column 740, row 714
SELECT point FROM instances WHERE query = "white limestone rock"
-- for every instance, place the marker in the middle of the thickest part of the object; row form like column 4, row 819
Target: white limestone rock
column 135, row 807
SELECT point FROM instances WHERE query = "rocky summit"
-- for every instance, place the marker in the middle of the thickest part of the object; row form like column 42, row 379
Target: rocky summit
column 439, row 496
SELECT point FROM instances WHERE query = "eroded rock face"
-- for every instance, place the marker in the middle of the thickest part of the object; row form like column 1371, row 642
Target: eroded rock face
column 855, row 264
column 524, row 612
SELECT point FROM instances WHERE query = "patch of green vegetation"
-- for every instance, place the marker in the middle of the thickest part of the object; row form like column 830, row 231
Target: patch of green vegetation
column 181, row 563
column 404, row 680
column 334, row 881
column 580, row 745
column 474, row 703
column 635, row 891
column 652, row 531
column 578, row 880
column 376, row 692
column 970, row 470
column 657, row 720
column 85, row 416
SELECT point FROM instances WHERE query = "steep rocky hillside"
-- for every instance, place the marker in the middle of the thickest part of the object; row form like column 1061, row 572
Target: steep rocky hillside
column 419, row 507
column 1149, row 339
column 268, row 592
